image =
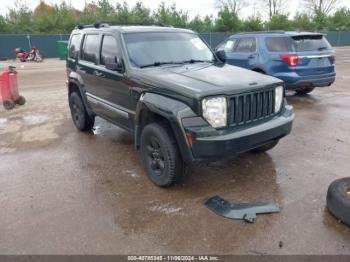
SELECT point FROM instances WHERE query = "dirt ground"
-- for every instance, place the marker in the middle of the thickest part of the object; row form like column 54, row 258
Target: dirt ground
column 65, row 192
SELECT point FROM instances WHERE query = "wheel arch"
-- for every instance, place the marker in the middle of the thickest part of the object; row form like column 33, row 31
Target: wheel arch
column 157, row 108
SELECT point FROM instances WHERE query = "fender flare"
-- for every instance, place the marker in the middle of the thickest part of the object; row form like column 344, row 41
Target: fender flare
column 76, row 80
column 171, row 110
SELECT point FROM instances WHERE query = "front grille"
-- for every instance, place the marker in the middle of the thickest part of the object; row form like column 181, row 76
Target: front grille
column 251, row 107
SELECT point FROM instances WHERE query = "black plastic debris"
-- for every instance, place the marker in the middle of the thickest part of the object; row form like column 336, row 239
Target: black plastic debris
column 245, row 211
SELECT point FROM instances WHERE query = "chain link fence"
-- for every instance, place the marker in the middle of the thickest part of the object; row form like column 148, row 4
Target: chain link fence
column 48, row 43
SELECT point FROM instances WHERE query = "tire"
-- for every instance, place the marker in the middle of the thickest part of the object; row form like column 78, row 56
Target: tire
column 21, row 101
column 265, row 148
column 304, row 91
column 80, row 117
column 160, row 155
column 9, row 104
column 338, row 199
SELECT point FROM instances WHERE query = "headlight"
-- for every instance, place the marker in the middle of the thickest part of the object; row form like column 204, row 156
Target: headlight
column 278, row 98
column 215, row 111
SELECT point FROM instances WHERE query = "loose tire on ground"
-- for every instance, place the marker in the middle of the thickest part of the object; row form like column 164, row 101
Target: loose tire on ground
column 338, row 199
column 81, row 119
column 265, row 148
column 304, row 91
column 160, row 155
column 8, row 104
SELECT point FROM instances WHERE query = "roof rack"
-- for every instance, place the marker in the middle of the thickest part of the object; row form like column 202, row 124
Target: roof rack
column 103, row 24
column 95, row 25
column 262, row 32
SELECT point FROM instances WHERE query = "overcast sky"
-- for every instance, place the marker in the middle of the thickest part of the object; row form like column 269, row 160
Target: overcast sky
column 193, row 7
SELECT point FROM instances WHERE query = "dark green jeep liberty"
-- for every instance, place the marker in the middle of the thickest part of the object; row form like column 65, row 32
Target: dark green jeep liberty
column 180, row 101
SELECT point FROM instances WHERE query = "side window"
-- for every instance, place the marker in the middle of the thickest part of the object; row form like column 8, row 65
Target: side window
column 74, row 46
column 246, row 45
column 109, row 48
column 228, row 45
column 278, row 44
column 91, row 48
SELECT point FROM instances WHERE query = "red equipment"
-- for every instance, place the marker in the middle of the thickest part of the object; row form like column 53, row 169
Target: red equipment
column 32, row 55
column 9, row 88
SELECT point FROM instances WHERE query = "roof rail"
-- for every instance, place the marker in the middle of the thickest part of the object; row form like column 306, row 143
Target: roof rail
column 261, row 32
column 103, row 24
column 95, row 25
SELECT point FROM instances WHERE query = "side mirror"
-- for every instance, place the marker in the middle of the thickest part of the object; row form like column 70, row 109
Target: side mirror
column 221, row 55
column 114, row 64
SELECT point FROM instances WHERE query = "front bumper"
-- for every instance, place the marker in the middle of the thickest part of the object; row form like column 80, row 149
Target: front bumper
column 211, row 144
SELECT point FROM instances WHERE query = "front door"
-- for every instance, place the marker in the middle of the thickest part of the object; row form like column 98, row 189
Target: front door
column 244, row 54
column 111, row 92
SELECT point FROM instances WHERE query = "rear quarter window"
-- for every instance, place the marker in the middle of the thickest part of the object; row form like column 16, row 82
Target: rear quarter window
column 278, row 44
column 91, row 48
column 74, row 46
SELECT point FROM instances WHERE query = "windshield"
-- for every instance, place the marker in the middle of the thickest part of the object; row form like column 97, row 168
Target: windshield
column 155, row 49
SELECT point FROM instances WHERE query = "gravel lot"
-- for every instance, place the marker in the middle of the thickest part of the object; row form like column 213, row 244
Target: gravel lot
column 65, row 192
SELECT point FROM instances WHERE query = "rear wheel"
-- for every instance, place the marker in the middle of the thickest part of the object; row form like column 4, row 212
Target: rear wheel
column 160, row 155
column 81, row 119
column 265, row 148
column 304, row 91
column 9, row 104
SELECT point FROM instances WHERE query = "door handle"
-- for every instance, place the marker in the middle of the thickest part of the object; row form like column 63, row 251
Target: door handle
column 251, row 56
column 99, row 74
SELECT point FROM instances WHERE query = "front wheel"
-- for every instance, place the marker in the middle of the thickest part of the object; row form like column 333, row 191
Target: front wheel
column 81, row 119
column 304, row 91
column 160, row 155
column 265, row 148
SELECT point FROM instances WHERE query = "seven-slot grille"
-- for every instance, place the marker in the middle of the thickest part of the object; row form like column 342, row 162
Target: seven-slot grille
column 250, row 107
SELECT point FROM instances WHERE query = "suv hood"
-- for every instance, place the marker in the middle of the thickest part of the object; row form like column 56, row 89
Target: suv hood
column 200, row 80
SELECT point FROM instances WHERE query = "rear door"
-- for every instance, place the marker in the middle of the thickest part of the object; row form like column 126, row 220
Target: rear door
column 315, row 54
column 88, row 63
column 244, row 53
column 112, row 91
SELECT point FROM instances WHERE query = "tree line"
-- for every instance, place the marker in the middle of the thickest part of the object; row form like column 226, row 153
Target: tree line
column 316, row 15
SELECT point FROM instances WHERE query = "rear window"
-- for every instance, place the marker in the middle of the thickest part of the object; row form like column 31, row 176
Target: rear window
column 278, row 44
column 74, row 47
column 91, row 48
column 310, row 43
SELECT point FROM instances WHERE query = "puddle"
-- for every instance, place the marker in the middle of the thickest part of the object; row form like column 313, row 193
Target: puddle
column 35, row 119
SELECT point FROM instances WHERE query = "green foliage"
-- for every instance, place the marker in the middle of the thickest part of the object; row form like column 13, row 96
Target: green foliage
column 279, row 22
column 227, row 21
column 62, row 18
column 302, row 22
column 253, row 23
column 340, row 20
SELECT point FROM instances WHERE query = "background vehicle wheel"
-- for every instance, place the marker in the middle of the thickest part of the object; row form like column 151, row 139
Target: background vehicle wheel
column 9, row 104
column 338, row 199
column 21, row 101
column 304, row 91
column 81, row 119
column 160, row 155
column 265, row 148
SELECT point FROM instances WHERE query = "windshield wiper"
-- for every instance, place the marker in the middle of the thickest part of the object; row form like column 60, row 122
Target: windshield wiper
column 160, row 63
column 192, row 61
